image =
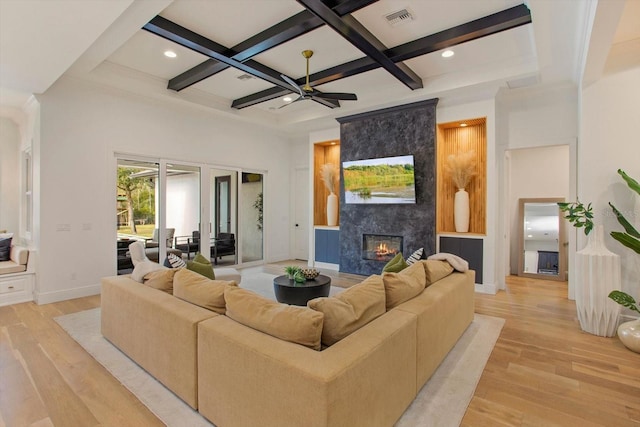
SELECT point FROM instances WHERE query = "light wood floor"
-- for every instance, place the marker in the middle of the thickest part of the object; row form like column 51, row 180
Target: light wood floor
column 544, row 371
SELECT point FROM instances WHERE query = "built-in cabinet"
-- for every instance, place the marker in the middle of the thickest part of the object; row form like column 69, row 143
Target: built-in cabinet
column 327, row 245
column 468, row 247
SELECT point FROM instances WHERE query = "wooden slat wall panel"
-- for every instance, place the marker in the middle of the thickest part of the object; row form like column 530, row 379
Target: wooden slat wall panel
column 323, row 153
column 456, row 140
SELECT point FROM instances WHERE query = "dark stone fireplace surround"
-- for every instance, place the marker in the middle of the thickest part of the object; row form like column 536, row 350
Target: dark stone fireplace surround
column 402, row 130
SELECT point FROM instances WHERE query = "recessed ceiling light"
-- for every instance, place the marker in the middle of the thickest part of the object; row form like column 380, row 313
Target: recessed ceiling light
column 447, row 53
column 170, row 54
column 463, row 125
column 287, row 99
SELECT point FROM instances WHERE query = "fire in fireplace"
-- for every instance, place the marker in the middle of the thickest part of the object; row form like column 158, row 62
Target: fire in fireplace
column 380, row 247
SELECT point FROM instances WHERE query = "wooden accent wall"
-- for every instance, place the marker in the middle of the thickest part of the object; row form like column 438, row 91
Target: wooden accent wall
column 323, row 152
column 453, row 139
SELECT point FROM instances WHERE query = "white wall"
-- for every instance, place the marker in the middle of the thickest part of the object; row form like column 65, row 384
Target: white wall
column 10, row 176
column 541, row 172
column 530, row 118
column 609, row 141
column 82, row 126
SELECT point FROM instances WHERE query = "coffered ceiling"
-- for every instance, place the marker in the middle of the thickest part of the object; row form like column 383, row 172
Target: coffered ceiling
column 229, row 54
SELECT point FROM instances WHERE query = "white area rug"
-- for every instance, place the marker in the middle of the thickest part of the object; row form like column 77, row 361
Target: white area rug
column 442, row 402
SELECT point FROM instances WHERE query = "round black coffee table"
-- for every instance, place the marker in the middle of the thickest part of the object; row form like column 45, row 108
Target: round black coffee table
column 289, row 292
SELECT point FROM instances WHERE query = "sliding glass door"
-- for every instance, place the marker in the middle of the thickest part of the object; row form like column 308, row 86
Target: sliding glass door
column 182, row 208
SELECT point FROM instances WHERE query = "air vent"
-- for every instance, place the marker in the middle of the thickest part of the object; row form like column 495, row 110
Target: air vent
column 244, row 77
column 400, row 17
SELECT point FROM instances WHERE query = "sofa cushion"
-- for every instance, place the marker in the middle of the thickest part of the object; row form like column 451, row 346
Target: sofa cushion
column 396, row 264
column 160, row 279
column 201, row 265
column 142, row 268
column 436, row 270
column 402, row 286
column 5, row 246
column 350, row 310
column 200, row 290
column 299, row 325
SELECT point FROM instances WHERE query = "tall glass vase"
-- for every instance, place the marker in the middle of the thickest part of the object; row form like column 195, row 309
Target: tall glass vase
column 461, row 211
column 597, row 274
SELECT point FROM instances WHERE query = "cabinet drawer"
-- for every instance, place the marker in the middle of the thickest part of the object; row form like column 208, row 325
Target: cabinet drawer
column 14, row 285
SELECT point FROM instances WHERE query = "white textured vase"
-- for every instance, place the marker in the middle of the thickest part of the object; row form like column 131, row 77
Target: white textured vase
column 461, row 211
column 597, row 274
column 629, row 334
column 332, row 209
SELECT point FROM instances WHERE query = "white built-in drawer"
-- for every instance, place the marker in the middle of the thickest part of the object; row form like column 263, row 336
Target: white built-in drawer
column 16, row 284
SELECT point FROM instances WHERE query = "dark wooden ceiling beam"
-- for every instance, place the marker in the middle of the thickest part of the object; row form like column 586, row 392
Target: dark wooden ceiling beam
column 295, row 26
column 356, row 34
column 187, row 38
column 486, row 26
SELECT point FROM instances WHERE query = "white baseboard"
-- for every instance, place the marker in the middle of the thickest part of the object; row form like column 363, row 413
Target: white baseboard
column 65, row 294
column 486, row 288
column 326, row 265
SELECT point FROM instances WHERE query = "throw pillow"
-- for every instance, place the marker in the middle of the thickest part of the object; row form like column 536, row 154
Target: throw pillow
column 456, row 262
column 5, row 246
column 299, row 325
column 350, row 310
column 200, row 290
column 160, row 279
column 402, row 286
column 201, row 265
column 142, row 268
column 415, row 257
column 436, row 270
column 174, row 261
column 396, row 264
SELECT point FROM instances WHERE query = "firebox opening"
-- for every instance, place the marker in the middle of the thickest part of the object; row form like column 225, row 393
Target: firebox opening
column 380, row 247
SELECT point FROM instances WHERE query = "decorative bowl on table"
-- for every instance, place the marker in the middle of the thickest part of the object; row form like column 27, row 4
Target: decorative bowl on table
column 310, row 273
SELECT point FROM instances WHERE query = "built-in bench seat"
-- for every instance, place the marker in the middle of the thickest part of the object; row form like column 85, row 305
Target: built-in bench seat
column 17, row 277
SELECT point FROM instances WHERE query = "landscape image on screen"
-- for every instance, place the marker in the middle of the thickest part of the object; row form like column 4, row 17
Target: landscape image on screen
column 381, row 180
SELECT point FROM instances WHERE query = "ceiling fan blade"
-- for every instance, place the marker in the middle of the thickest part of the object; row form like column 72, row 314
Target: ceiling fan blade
column 300, row 98
column 337, row 95
column 293, row 84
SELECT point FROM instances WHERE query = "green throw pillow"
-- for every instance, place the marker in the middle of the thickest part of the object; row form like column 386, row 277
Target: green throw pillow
column 396, row 265
column 201, row 265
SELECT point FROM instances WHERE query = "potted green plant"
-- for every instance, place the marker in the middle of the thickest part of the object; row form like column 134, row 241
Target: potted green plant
column 291, row 271
column 628, row 332
column 578, row 214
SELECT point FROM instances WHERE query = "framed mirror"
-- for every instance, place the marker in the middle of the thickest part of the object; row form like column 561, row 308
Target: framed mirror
column 542, row 243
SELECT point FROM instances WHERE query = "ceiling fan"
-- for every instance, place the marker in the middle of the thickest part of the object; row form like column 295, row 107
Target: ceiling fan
column 307, row 92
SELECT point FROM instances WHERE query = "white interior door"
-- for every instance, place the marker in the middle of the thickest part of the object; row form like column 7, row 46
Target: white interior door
column 301, row 218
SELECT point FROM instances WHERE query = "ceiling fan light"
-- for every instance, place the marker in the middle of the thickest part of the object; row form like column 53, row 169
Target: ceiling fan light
column 448, row 53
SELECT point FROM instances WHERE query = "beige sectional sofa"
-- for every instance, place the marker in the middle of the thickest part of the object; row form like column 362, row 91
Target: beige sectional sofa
column 236, row 375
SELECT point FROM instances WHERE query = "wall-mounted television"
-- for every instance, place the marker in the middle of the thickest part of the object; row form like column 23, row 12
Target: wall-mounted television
column 379, row 180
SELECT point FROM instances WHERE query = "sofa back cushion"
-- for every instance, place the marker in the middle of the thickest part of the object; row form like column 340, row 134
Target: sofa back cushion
column 350, row 310
column 200, row 290
column 436, row 270
column 299, row 325
column 160, row 279
column 402, row 286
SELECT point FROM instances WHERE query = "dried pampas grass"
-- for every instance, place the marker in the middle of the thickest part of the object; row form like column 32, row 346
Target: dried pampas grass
column 461, row 168
column 329, row 175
